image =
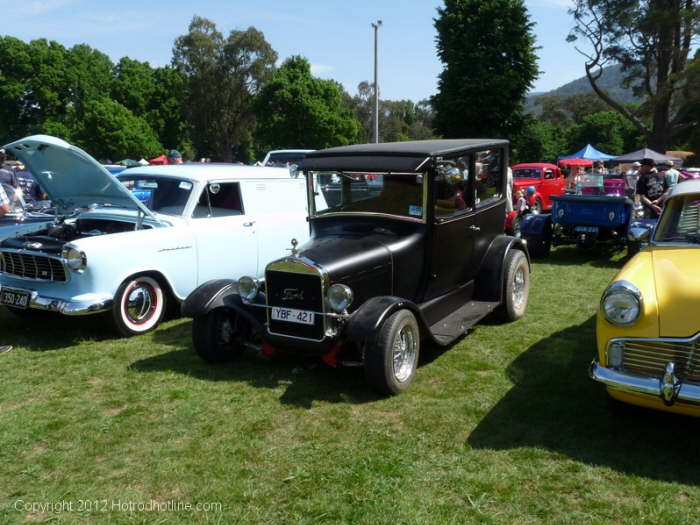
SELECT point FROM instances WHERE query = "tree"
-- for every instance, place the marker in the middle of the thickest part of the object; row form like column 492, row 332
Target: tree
column 223, row 77
column 537, row 141
column 488, row 51
column 608, row 131
column 297, row 110
column 110, row 131
column 651, row 39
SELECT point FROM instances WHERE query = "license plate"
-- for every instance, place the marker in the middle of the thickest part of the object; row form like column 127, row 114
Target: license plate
column 586, row 229
column 14, row 298
column 293, row 316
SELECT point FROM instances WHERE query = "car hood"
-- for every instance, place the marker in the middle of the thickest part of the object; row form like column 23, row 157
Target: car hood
column 71, row 177
column 343, row 256
column 677, row 283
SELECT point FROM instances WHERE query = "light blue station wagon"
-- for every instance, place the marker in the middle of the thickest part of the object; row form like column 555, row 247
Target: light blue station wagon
column 131, row 244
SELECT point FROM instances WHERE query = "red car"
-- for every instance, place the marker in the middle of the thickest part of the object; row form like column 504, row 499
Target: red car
column 547, row 179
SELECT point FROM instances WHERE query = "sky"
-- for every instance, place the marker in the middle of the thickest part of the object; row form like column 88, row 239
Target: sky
column 335, row 36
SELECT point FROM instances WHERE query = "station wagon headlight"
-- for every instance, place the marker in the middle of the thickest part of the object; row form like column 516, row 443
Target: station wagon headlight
column 339, row 297
column 75, row 259
column 622, row 303
column 248, row 287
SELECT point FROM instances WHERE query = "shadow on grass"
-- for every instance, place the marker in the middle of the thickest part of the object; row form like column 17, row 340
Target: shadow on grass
column 306, row 379
column 554, row 405
column 43, row 331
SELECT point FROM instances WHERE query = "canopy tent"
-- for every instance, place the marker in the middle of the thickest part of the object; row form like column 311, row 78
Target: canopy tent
column 143, row 162
column 129, row 163
column 575, row 162
column 159, row 160
column 589, row 153
column 645, row 153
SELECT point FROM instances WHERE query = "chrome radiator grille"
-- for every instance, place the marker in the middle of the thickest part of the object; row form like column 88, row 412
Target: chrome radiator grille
column 650, row 356
column 32, row 266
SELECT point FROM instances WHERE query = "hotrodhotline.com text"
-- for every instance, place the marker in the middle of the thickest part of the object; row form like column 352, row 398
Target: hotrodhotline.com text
column 117, row 505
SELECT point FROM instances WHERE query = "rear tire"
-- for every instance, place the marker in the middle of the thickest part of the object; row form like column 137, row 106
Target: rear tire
column 516, row 287
column 214, row 335
column 391, row 361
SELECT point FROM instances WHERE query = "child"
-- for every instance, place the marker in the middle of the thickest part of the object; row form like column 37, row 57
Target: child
column 521, row 205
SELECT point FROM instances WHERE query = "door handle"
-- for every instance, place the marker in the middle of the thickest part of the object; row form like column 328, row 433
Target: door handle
column 248, row 224
column 474, row 228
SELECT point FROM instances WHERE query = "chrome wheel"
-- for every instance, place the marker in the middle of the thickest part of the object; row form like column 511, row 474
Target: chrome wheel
column 404, row 353
column 141, row 303
column 519, row 288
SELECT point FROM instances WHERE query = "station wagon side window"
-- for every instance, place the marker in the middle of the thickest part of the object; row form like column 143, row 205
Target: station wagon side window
column 488, row 177
column 451, row 187
column 219, row 199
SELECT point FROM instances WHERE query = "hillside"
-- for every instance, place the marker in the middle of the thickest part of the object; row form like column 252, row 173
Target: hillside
column 611, row 81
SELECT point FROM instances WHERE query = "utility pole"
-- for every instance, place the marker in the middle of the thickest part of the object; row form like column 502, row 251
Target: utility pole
column 376, row 85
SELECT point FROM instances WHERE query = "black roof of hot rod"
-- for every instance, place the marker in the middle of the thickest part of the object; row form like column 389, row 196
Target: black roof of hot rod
column 402, row 157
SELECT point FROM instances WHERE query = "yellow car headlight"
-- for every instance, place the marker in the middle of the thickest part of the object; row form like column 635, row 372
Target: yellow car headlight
column 622, row 303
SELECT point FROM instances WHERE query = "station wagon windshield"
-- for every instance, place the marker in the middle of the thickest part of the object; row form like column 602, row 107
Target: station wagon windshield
column 160, row 194
column 680, row 221
column 399, row 194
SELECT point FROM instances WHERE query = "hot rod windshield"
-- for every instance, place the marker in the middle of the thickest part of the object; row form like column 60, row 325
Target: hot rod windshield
column 165, row 195
column 680, row 221
column 398, row 194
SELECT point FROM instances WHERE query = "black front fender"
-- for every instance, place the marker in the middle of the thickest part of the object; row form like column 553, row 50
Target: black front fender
column 364, row 324
column 489, row 281
column 208, row 296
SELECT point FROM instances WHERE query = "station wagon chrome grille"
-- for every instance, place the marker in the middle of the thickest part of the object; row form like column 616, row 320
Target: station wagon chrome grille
column 30, row 266
column 650, row 356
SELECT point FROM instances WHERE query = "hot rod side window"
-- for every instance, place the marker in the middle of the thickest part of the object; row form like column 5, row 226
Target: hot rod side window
column 451, row 186
column 488, row 177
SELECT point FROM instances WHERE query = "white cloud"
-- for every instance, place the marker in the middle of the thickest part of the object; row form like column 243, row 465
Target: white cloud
column 320, row 68
column 33, row 7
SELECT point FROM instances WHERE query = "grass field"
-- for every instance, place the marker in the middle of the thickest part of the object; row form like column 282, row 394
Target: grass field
column 504, row 427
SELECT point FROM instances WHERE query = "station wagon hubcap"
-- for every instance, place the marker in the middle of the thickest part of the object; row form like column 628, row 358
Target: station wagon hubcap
column 141, row 303
column 404, row 353
column 519, row 287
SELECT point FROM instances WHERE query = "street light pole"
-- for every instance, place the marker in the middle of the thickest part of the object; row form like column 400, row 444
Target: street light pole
column 376, row 85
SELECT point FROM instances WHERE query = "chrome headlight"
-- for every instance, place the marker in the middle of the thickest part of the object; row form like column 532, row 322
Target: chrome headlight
column 75, row 259
column 339, row 297
column 622, row 303
column 248, row 287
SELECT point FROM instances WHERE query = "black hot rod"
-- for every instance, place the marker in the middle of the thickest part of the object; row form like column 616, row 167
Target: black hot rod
column 407, row 245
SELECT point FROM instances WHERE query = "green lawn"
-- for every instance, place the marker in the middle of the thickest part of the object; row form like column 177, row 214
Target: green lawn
column 504, row 427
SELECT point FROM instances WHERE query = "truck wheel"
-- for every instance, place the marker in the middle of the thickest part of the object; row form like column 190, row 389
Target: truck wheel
column 139, row 305
column 516, row 287
column 214, row 336
column 391, row 361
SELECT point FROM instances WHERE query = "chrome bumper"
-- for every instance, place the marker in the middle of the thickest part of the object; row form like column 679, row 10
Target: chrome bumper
column 668, row 388
column 95, row 304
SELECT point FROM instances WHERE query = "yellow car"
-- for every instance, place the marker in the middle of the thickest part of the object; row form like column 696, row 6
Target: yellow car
column 648, row 325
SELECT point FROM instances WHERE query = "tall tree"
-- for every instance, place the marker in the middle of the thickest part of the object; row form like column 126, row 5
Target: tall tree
column 651, row 39
column 223, row 77
column 488, row 51
column 297, row 110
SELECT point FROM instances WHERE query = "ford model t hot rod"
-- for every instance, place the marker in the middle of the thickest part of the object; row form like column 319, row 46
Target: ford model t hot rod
column 410, row 248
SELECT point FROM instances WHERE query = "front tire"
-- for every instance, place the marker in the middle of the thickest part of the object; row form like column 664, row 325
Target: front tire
column 139, row 305
column 516, row 287
column 391, row 361
column 214, row 336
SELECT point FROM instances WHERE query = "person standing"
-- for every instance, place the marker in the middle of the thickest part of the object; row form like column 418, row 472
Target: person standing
column 672, row 174
column 174, row 157
column 6, row 176
column 651, row 188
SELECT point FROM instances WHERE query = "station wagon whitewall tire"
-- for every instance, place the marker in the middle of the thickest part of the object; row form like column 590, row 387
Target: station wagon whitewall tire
column 391, row 361
column 516, row 287
column 139, row 305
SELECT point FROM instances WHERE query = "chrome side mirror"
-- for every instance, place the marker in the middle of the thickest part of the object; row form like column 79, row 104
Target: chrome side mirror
column 639, row 234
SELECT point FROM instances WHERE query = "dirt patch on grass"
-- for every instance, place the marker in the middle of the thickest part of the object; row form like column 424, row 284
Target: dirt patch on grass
column 111, row 412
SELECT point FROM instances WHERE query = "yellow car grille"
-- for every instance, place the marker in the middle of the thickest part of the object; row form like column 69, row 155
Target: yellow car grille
column 650, row 356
